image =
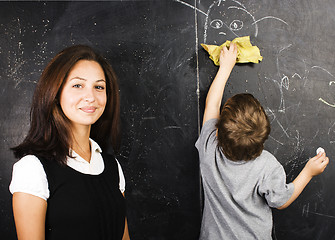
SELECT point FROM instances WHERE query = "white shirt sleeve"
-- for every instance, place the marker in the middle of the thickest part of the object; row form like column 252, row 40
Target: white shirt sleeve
column 122, row 183
column 29, row 177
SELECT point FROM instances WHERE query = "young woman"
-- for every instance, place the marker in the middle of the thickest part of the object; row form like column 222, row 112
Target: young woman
column 66, row 185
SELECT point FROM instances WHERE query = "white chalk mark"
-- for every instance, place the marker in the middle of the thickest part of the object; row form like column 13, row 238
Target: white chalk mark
column 330, row 83
column 305, row 210
column 270, row 17
column 172, row 127
column 239, row 3
column 284, row 48
column 280, row 125
column 189, row 5
column 298, row 140
column 296, row 74
column 331, row 128
column 276, row 140
column 253, row 18
column 317, row 132
column 282, row 102
column 285, row 82
column 236, row 25
column 284, row 130
column 228, row 27
column 148, row 118
column 197, row 59
column 206, row 23
column 122, row 155
column 322, row 215
column 327, row 103
column 323, row 70
column 216, row 24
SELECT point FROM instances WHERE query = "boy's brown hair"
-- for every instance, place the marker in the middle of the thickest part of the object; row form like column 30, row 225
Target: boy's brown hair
column 243, row 127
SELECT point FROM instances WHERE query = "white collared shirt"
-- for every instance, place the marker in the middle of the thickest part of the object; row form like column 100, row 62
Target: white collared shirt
column 29, row 176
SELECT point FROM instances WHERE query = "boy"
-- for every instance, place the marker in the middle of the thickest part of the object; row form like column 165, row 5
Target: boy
column 241, row 181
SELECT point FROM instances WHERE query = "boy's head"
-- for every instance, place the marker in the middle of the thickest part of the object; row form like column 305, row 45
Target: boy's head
column 243, row 128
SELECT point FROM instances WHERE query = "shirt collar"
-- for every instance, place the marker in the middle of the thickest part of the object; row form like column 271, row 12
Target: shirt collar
column 95, row 148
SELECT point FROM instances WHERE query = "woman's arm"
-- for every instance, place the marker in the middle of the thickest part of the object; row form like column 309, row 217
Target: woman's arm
column 29, row 215
column 125, row 233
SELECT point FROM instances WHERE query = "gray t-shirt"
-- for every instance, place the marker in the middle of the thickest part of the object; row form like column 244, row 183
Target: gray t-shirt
column 238, row 195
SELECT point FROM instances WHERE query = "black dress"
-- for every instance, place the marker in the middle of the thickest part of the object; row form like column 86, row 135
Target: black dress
column 83, row 206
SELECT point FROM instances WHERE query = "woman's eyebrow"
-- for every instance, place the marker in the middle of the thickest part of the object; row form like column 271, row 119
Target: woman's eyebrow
column 84, row 79
column 78, row 78
column 101, row 80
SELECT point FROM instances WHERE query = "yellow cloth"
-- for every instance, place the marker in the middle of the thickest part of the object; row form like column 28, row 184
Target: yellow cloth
column 245, row 51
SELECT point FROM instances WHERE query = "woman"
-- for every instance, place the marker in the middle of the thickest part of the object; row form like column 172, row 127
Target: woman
column 64, row 186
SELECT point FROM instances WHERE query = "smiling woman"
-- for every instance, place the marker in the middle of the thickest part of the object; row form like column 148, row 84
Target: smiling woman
column 83, row 97
column 63, row 178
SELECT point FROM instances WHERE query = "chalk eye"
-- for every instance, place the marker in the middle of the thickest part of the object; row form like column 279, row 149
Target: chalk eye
column 236, row 25
column 216, row 24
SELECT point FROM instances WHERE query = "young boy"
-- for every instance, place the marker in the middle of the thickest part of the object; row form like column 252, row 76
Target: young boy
column 241, row 181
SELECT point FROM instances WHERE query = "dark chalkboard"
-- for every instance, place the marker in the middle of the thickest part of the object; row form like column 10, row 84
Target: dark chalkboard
column 164, row 76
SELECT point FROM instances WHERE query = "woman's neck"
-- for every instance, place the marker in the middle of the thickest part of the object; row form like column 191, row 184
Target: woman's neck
column 81, row 143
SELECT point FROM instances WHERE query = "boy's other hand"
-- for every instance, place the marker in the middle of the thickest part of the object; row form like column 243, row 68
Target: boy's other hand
column 228, row 57
column 317, row 164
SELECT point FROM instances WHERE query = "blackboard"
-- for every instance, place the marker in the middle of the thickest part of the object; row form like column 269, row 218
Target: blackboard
column 164, row 75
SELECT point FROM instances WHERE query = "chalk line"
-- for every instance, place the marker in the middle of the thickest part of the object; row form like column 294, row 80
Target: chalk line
column 327, row 103
column 270, row 17
column 193, row 7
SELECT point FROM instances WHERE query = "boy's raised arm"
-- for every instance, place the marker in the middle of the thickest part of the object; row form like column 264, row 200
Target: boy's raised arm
column 214, row 96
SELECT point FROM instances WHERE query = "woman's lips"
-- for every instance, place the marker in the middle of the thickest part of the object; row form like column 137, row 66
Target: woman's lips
column 88, row 109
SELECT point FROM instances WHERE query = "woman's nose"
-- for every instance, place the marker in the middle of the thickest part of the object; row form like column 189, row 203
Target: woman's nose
column 89, row 96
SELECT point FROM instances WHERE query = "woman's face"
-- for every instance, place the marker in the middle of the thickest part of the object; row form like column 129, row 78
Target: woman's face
column 83, row 97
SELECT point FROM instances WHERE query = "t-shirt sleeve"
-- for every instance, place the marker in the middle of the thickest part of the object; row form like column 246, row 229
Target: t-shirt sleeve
column 122, row 181
column 29, row 177
column 274, row 187
column 207, row 136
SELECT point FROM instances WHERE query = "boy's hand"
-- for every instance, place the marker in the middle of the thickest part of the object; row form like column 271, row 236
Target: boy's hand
column 228, row 57
column 317, row 164
column 313, row 167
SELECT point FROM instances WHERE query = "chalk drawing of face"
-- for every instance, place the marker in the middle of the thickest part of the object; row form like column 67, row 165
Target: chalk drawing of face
column 228, row 20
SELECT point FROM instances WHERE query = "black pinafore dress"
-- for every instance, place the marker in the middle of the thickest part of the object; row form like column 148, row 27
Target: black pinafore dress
column 83, row 206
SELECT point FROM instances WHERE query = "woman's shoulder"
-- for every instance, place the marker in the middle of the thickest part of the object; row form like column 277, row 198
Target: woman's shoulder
column 29, row 177
column 28, row 161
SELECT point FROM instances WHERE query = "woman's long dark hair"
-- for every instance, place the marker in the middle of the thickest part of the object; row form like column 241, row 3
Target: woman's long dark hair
column 50, row 135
